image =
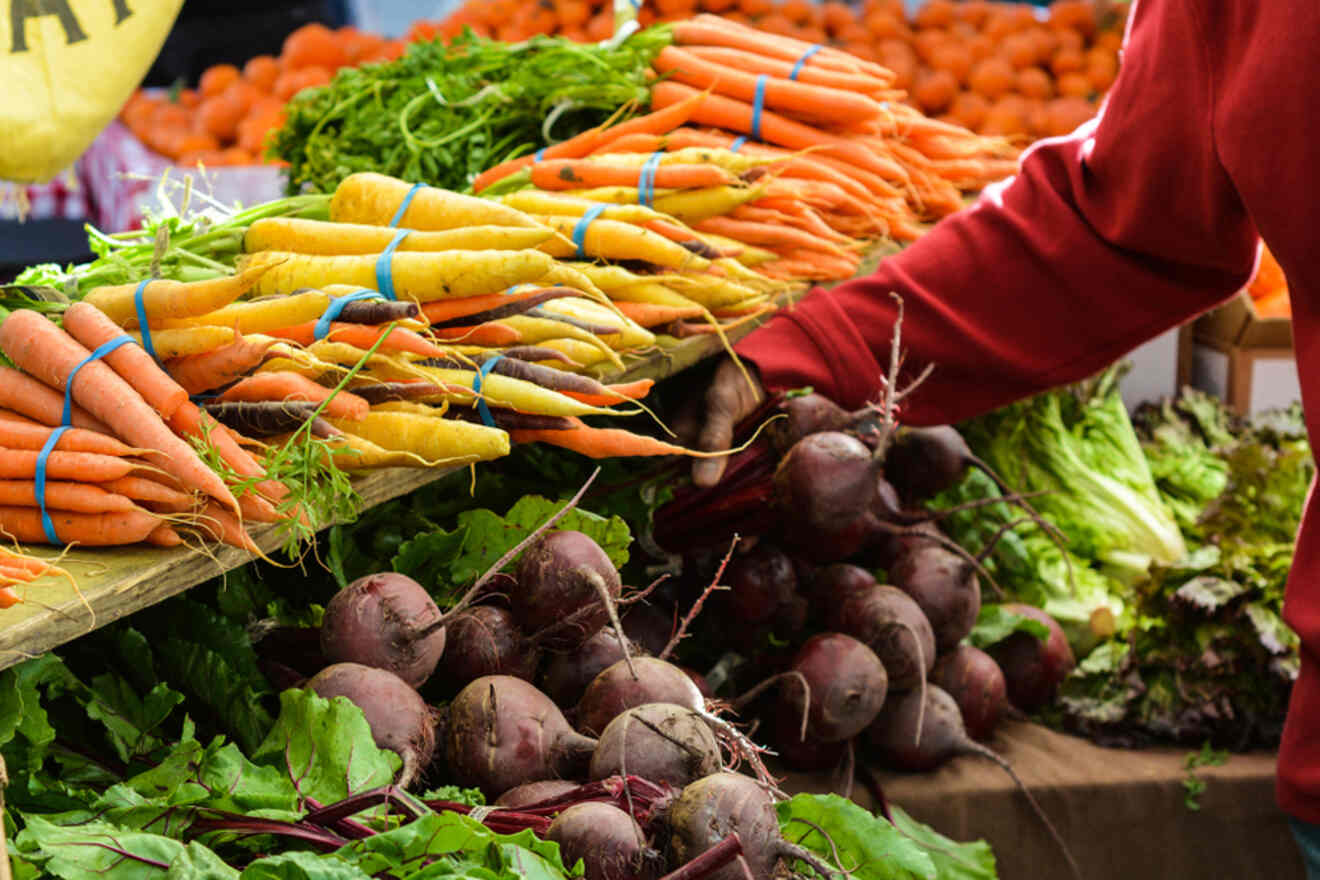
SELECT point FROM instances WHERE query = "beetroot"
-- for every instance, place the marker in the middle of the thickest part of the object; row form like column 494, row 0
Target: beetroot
column 923, row 462
column 714, row 806
column 760, row 582
column 974, row 680
column 848, row 685
column 502, row 731
column 649, row 625
column 835, row 583
column 825, row 481
column 916, row 732
column 566, row 585
column 535, row 792
column 399, row 719
column 660, row 742
column 808, row 754
column 568, row 673
column 485, row 641
column 386, row 620
column 615, row 691
column 808, row 414
column 891, row 624
column 1033, row 670
column 607, row 840
column 944, row 586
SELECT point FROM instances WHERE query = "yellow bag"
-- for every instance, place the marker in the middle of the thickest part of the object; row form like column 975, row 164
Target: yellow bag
column 67, row 67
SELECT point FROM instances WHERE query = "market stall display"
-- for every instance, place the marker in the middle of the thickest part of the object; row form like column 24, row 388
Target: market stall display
column 486, row 263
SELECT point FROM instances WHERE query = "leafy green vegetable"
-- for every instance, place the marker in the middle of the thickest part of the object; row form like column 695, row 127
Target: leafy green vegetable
column 1193, row 785
column 442, row 114
column 995, row 623
column 1079, row 447
column 873, row 849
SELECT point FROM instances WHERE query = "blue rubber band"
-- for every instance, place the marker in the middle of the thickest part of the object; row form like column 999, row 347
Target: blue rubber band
column 403, row 205
column 322, row 328
column 801, row 62
column 101, row 351
column 539, row 155
column 580, row 230
column 646, row 181
column 737, row 144
column 384, row 270
column 478, row 379
column 758, row 103
column 47, row 525
column 142, row 319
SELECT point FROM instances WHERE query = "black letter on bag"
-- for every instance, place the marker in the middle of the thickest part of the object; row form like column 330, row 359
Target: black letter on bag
column 121, row 11
column 21, row 10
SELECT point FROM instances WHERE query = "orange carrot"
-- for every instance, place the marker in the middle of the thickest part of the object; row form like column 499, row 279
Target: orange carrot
column 598, row 442
column 15, row 435
column 631, row 390
column 77, row 497
column 8, row 415
column 659, row 122
column 191, row 421
column 202, row 372
column 713, row 30
column 282, row 385
column 90, row 326
column 29, row 397
column 91, row 529
column 363, row 336
column 636, row 142
column 821, row 103
column 8, row 598
column 726, row 112
column 651, row 315
column 492, row 334
column 85, row 467
column 164, row 535
column 221, row 525
column 149, row 492
column 755, row 62
column 560, row 174
column 441, row 310
column 767, row 235
column 42, row 349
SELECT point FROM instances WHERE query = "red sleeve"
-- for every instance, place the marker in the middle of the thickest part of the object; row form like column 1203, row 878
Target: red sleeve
column 1104, row 240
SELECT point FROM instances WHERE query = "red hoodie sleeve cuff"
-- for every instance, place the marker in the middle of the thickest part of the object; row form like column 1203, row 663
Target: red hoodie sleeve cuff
column 813, row 343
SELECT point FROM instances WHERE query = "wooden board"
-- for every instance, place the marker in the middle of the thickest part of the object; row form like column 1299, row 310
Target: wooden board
column 115, row 582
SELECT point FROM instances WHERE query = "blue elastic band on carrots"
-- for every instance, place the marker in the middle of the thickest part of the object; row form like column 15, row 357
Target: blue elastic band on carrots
column 322, row 328
column 47, row 525
column 142, row 318
column 737, row 144
column 539, row 155
column 646, row 180
column 403, row 205
column 801, row 62
column 758, row 103
column 384, row 271
column 580, row 228
column 101, row 351
column 478, row 379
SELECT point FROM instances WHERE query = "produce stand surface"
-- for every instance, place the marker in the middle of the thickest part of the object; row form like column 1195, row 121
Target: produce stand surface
column 1121, row 811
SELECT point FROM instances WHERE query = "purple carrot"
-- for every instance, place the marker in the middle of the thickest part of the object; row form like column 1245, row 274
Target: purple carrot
column 269, row 418
column 594, row 329
column 510, row 420
column 380, row 392
column 377, row 311
column 538, row 353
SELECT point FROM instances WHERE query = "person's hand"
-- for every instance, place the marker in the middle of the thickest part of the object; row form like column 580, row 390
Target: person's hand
column 707, row 423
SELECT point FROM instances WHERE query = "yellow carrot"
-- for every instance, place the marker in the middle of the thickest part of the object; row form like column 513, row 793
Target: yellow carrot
column 631, row 335
column 430, row 437
column 515, row 394
column 417, row 276
column 163, row 298
column 367, row 197
column 319, row 237
column 612, row 240
column 184, row 341
column 258, row 316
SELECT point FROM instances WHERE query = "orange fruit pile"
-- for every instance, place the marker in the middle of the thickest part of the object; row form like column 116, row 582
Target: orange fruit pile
column 225, row 119
column 996, row 68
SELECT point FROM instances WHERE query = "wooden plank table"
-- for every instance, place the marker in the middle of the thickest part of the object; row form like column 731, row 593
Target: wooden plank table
column 115, row 582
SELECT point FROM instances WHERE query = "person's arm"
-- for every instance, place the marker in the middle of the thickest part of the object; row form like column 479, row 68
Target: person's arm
column 1104, row 240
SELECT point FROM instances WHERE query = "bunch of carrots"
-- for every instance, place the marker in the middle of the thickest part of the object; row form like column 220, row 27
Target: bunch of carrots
column 994, row 67
column 225, row 119
column 797, row 155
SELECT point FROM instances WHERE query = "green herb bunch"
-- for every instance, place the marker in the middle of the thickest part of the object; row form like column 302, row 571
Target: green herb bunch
column 444, row 113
